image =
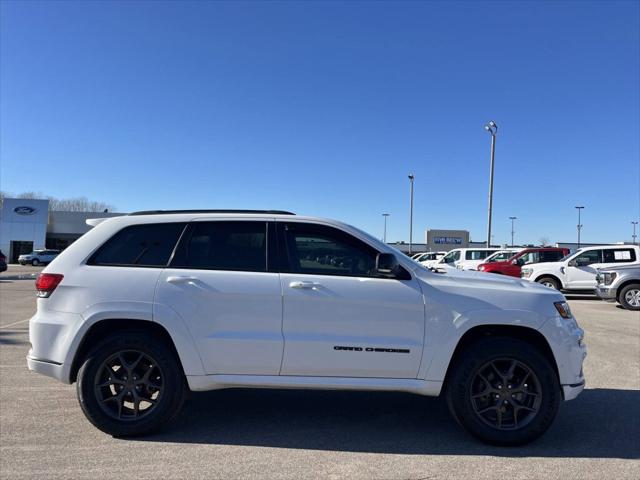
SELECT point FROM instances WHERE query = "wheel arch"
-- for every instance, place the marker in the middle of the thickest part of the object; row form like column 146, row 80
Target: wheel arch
column 549, row 275
column 527, row 334
column 102, row 328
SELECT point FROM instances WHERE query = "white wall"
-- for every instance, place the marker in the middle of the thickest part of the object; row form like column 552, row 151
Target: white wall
column 23, row 220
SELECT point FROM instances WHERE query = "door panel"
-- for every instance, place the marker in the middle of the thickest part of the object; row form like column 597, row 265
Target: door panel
column 339, row 318
column 583, row 274
column 235, row 318
column 222, row 286
column 352, row 327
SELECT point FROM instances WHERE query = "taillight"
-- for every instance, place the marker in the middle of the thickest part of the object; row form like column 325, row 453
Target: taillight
column 46, row 283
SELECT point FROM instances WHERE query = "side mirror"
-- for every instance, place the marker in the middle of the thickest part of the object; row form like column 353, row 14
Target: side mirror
column 573, row 263
column 387, row 266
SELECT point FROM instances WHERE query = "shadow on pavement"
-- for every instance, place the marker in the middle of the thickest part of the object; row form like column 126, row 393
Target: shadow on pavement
column 600, row 423
column 6, row 338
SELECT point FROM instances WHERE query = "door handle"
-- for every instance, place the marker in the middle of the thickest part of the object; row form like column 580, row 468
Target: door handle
column 181, row 279
column 304, row 285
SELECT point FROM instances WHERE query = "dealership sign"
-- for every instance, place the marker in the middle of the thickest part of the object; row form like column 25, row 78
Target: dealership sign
column 24, row 210
column 448, row 240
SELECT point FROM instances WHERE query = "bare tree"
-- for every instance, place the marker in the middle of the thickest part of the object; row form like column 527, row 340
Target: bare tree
column 544, row 241
column 77, row 204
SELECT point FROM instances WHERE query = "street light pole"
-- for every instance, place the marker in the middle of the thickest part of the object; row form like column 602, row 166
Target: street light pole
column 634, row 232
column 579, row 224
column 492, row 128
column 411, row 213
column 385, row 215
column 512, row 232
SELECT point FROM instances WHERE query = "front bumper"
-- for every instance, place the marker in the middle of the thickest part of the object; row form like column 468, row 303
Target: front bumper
column 606, row 293
column 565, row 338
column 572, row 391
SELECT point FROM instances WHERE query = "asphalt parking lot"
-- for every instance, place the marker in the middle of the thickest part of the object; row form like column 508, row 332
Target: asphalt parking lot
column 304, row 434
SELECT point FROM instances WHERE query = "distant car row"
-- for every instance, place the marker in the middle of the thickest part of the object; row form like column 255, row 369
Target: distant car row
column 612, row 271
column 38, row 257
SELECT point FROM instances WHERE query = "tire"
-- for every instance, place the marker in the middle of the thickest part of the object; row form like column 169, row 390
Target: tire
column 35, row 262
column 479, row 416
column 630, row 297
column 112, row 408
column 549, row 282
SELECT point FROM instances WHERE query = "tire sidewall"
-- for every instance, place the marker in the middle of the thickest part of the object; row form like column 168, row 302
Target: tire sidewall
column 173, row 384
column 459, row 396
column 623, row 301
column 553, row 281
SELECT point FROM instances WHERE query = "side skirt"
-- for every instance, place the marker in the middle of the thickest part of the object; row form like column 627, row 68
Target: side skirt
column 199, row 383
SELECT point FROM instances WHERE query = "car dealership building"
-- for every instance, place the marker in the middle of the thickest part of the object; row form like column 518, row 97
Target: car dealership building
column 27, row 225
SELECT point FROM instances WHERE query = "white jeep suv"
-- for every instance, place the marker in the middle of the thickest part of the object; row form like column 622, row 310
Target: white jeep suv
column 145, row 306
column 577, row 271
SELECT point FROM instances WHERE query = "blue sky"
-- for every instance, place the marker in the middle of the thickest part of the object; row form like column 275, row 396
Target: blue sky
column 324, row 108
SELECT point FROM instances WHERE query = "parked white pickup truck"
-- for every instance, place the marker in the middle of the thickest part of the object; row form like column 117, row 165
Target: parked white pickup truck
column 577, row 271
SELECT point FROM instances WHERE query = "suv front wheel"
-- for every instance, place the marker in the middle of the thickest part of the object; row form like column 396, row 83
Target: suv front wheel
column 130, row 384
column 503, row 391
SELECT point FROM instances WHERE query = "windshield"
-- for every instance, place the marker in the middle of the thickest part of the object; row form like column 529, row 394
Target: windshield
column 567, row 257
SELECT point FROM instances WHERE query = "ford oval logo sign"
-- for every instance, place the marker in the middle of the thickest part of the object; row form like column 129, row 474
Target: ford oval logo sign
column 25, row 210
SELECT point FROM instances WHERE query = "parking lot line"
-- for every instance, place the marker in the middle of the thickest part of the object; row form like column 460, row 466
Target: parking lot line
column 14, row 323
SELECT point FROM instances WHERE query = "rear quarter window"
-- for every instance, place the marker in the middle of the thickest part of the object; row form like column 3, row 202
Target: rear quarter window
column 146, row 245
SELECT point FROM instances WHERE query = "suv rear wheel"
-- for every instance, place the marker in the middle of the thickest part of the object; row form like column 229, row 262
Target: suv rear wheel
column 35, row 262
column 503, row 391
column 630, row 297
column 130, row 384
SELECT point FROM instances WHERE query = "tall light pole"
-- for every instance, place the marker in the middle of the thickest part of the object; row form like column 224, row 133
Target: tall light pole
column 492, row 128
column 411, row 213
column 512, row 231
column 634, row 231
column 385, row 215
column 579, row 224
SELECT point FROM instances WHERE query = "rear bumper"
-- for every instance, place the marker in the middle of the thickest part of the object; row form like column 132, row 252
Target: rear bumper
column 46, row 367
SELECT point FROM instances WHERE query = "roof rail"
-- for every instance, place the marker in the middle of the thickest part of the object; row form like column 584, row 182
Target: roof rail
column 162, row 212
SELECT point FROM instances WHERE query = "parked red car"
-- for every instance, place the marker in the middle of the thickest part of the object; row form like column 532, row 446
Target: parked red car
column 527, row 256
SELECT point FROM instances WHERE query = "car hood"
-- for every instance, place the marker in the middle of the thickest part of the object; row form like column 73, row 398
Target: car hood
column 478, row 290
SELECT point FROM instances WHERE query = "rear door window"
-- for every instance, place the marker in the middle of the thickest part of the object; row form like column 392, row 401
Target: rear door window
column 619, row 255
column 224, row 245
column 478, row 254
column 145, row 245
column 551, row 256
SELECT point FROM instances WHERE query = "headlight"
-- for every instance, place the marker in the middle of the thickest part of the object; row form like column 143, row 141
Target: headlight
column 526, row 272
column 481, row 267
column 563, row 309
column 608, row 278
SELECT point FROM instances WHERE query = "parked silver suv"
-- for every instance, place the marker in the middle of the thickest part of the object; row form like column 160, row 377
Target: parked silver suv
column 621, row 284
column 38, row 257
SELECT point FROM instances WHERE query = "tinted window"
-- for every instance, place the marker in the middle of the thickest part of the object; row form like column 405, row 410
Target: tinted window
column 621, row 255
column 551, row 256
column 589, row 257
column 141, row 245
column 320, row 250
column 240, row 246
column 478, row 254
